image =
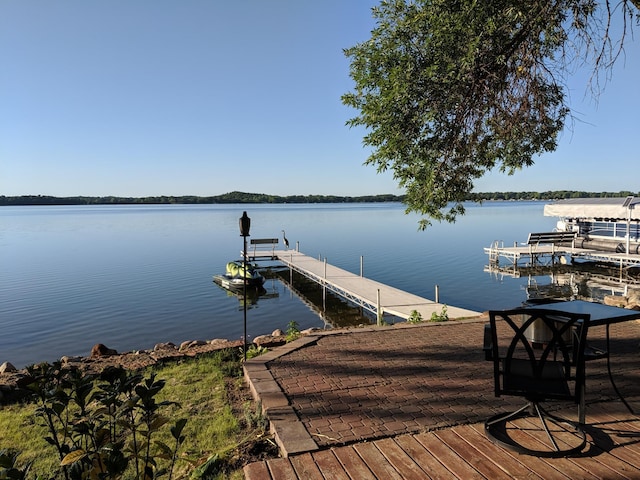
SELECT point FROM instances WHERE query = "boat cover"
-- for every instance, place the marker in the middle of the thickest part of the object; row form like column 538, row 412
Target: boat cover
column 234, row 269
column 586, row 208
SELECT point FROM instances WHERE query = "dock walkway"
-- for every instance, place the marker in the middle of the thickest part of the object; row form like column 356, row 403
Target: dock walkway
column 374, row 296
column 551, row 254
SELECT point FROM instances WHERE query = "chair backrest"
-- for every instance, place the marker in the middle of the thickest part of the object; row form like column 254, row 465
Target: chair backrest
column 523, row 366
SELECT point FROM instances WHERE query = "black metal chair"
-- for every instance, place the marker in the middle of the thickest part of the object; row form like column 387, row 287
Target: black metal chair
column 539, row 372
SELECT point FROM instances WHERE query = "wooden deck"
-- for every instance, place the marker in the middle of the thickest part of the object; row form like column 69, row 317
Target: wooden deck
column 369, row 294
column 464, row 452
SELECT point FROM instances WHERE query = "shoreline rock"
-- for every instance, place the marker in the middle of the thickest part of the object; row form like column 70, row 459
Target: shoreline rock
column 630, row 301
column 13, row 381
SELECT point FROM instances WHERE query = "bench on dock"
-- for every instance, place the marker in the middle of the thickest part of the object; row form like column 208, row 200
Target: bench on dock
column 548, row 238
column 264, row 247
column 551, row 238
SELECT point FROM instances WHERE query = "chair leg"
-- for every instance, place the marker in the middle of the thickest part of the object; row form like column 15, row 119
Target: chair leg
column 507, row 416
column 497, row 431
column 546, row 428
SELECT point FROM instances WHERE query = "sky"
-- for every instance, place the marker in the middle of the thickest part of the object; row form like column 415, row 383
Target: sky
column 204, row 97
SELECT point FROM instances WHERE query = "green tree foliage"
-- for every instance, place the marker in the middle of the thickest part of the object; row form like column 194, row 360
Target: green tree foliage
column 450, row 89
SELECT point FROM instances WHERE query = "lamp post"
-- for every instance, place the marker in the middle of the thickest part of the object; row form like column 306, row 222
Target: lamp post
column 245, row 225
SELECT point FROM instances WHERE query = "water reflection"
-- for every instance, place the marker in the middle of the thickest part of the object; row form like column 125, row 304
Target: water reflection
column 588, row 281
column 334, row 310
column 254, row 293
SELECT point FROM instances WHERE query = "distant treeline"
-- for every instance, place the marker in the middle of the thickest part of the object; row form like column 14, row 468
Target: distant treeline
column 232, row 197
column 550, row 195
column 241, row 197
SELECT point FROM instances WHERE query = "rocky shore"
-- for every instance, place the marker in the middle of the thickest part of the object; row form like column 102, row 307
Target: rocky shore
column 13, row 381
column 630, row 301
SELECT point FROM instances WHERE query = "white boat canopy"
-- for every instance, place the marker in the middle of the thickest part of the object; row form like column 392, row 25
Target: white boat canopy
column 595, row 208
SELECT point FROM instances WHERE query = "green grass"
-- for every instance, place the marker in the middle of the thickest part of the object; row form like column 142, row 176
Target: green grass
column 201, row 387
column 21, row 430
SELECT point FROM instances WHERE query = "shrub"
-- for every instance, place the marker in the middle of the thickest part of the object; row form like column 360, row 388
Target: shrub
column 440, row 317
column 293, row 332
column 415, row 317
column 102, row 424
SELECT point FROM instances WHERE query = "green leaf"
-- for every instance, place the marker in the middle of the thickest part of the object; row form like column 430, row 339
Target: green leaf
column 50, row 440
column 73, row 457
column 167, row 453
column 176, row 430
column 158, row 422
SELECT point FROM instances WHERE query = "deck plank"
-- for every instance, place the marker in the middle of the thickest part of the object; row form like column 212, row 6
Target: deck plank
column 430, row 464
column 450, row 459
column 400, row 460
column 585, row 468
column 353, row 464
column 376, row 462
column 516, row 466
column 305, row 467
column 257, row 471
column 329, row 465
column 281, row 469
column 620, row 437
column 457, row 442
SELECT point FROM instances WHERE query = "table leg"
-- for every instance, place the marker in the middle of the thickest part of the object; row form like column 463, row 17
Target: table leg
column 613, row 383
column 582, row 406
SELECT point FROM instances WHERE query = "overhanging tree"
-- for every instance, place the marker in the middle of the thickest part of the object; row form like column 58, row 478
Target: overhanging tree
column 450, row 89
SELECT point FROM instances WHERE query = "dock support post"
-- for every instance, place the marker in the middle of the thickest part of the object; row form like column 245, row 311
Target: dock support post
column 379, row 310
column 361, row 266
column 325, row 270
column 324, row 298
column 291, row 269
column 298, row 246
column 437, row 294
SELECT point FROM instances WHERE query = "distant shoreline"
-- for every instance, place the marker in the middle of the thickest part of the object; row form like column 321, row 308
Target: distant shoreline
column 227, row 198
column 262, row 198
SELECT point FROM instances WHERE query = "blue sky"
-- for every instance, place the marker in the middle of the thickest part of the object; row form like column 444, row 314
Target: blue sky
column 201, row 97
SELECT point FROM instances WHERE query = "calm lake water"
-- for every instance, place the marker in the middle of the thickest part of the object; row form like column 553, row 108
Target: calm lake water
column 133, row 276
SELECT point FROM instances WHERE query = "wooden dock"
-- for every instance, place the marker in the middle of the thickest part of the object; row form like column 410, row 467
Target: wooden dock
column 554, row 254
column 373, row 296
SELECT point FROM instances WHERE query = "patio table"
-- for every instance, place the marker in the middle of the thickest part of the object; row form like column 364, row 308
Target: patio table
column 599, row 315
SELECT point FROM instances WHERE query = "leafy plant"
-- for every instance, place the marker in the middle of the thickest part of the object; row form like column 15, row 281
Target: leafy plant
column 100, row 425
column 256, row 350
column 415, row 317
column 254, row 417
column 8, row 466
column 210, row 393
column 293, row 332
column 440, row 317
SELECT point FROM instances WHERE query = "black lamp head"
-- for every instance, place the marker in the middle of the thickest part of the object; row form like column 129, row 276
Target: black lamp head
column 245, row 225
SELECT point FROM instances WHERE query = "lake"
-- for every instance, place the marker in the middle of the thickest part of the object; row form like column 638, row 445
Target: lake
column 132, row 276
